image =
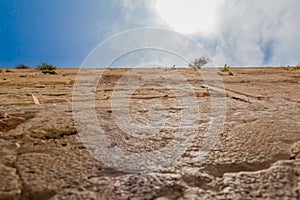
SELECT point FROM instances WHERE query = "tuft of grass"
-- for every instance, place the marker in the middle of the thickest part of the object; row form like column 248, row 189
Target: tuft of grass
column 230, row 73
column 45, row 66
column 22, row 66
column 226, row 68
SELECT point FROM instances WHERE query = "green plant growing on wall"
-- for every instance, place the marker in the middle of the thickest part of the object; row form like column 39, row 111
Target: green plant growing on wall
column 21, row 66
column 226, row 68
column 45, row 66
column 199, row 62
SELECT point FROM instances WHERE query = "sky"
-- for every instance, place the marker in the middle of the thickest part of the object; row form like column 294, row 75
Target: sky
column 64, row 32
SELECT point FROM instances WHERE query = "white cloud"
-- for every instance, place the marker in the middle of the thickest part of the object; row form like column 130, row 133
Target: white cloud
column 129, row 14
column 141, row 13
column 142, row 47
column 189, row 16
column 259, row 32
column 247, row 33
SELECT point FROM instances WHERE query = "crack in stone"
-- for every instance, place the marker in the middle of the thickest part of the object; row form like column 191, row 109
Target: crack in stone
column 20, row 178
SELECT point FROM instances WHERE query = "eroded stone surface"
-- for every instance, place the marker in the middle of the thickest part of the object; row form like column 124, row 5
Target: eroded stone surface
column 8, row 122
column 10, row 184
column 256, row 157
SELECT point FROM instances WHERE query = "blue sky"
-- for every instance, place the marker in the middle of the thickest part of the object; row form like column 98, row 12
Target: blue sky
column 63, row 32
